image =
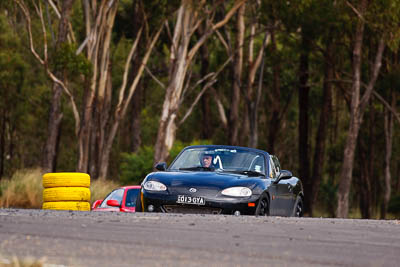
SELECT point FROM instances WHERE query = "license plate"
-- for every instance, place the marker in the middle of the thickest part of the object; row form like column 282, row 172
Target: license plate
column 190, row 200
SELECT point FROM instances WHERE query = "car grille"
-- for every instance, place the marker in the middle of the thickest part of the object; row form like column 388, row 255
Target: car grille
column 190, row 209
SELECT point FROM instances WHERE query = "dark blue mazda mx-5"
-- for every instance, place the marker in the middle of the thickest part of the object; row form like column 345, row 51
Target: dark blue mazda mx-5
column 214, row 179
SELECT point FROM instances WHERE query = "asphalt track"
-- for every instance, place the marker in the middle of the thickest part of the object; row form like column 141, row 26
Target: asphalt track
column 150, row 239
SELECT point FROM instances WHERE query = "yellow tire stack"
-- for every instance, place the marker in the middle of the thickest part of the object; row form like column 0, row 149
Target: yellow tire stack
column 66, row 191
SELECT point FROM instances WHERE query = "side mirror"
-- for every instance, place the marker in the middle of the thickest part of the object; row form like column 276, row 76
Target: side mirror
column 161, row 166
column 283, row 175
column 97, row 203
column 113, row 203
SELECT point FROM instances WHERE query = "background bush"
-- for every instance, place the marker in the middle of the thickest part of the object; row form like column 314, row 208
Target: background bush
column 135, row 166
column 394, row 205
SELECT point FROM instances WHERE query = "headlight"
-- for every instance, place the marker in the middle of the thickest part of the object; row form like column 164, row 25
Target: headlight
column 237, row 191
column 154, row 186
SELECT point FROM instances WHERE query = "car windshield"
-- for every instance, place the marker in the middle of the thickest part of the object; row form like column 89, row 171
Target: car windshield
column 116, row 195
column 220, row 159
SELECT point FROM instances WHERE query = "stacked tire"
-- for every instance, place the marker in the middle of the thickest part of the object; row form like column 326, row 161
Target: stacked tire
column 66, row 191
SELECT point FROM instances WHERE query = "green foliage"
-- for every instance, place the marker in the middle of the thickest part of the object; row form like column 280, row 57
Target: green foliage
column 22, row 98
column 135, row 166
column 65, row 58
column 389, row 81
column 120, row 54
column 12, row 65
column 383, row 17
column 328, row 196
column 394, row 205
column 25, row 89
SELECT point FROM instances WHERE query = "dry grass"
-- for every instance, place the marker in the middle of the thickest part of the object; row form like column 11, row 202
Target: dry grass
column 100, row 188
column 23, row 190
column 19, row 262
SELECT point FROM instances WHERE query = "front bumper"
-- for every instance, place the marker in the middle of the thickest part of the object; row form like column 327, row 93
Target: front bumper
column 167, row 203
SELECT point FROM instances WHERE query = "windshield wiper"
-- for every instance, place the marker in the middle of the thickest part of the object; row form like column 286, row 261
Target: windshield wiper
column 197, row 168
column 248, row 173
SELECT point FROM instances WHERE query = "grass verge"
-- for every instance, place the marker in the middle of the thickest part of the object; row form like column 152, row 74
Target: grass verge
column 21, row 262
column 25, row 190
column 100, row 188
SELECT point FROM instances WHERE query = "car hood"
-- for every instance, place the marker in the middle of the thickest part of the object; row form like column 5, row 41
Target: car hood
column 202, row 179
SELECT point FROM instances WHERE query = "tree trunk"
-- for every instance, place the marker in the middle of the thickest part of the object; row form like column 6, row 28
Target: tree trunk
column 388, row 148
column 355, row 121
column 356, row 113
column 178, row 67
column 274, row 106
column 366, row 154
column 124, row 101
column 364, row 187
column 54, row 125
column 253, row 141
column 370, row 162
column 55, row 116
column 350, row 145
column 2, row 141
column 84, row 136
column 319, row 153
column 180, row 61
column 136, row 107
column 254, row 96
column 206, row 131
column 347, row 167
column 303, row 122
column 234, row 119
column 398, row 179
column 136, row 140
column 99, row 23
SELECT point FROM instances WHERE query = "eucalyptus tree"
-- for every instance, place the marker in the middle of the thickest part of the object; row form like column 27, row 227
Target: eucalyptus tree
column 382, row 20
column 390, row 116
column 100, row 123
column 96, row 124
column 249, row 65
column 189, row 17
column 55, row 116
column 245, row 41
column 300, row 28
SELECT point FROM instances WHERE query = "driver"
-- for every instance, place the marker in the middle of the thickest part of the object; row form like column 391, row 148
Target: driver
column 206, row 161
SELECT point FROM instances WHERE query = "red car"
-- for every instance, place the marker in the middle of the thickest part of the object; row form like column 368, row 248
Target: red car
column 121, row 199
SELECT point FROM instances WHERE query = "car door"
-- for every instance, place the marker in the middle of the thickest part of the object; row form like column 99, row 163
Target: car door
column 275, row 201
column 283, row 189
column 286, row 190
column 129, row 203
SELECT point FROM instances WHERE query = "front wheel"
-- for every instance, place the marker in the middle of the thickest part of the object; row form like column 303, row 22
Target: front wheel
column 263, row 206
column 298, row 207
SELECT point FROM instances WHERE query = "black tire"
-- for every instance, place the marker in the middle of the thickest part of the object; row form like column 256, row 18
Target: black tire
column 298, row 207
column 262, row 206
column 138, row 207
